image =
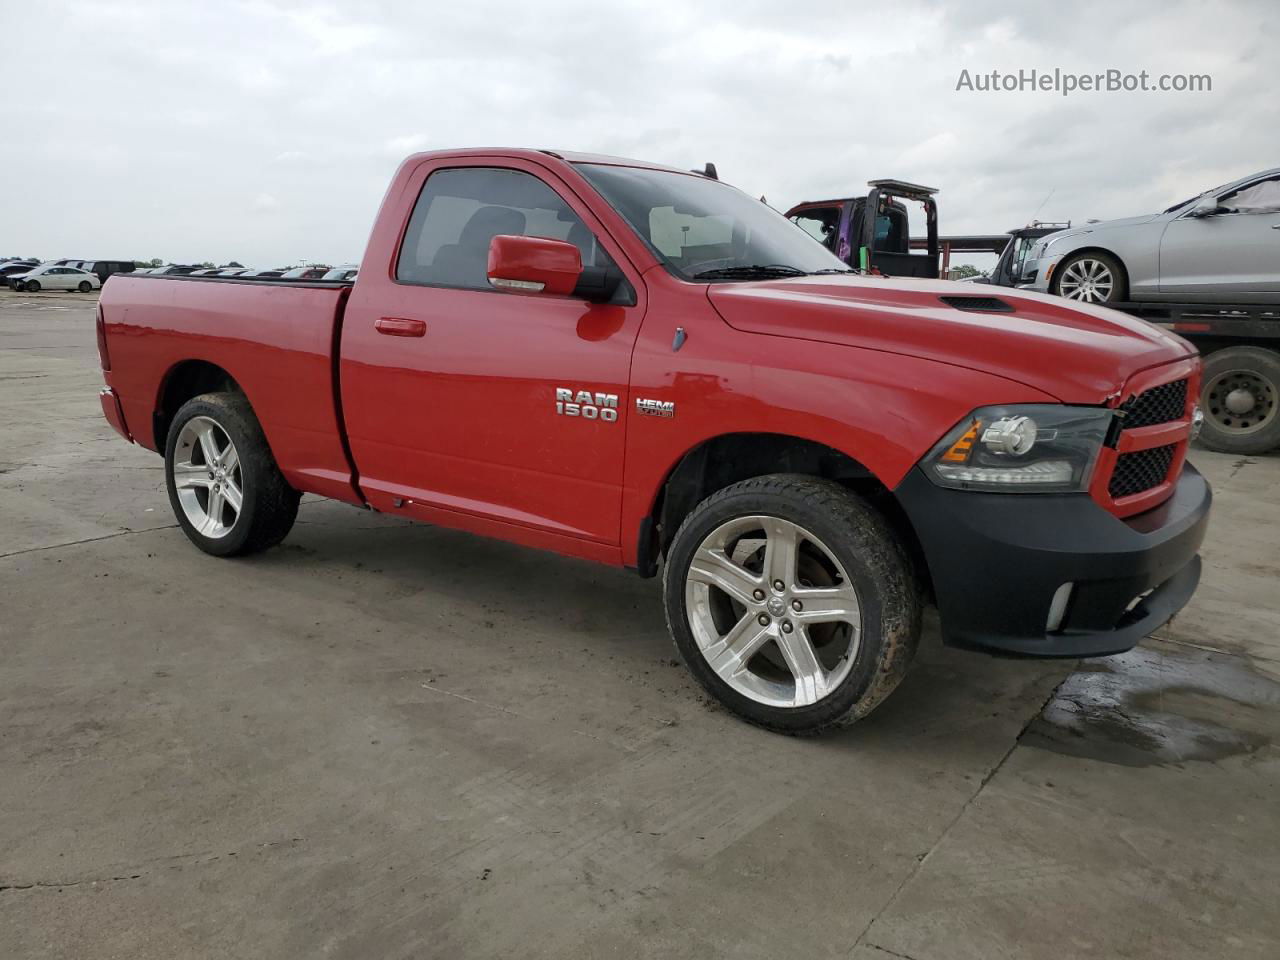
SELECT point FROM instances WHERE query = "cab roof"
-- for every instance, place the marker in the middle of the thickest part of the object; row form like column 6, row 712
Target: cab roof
column 540, row 155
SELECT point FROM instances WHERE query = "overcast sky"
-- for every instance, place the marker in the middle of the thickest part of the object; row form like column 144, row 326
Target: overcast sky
column 266, row 132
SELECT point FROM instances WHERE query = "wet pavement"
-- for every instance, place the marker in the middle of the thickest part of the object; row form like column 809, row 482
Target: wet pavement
column 1161, row 703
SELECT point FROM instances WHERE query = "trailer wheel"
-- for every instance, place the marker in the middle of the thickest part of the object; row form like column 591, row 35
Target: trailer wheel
column 1240, row 397
column 792, row 601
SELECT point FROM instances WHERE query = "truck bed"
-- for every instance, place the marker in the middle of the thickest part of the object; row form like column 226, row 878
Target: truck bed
column 275, row 338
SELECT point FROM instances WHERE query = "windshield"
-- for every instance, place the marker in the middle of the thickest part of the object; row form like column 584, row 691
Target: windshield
column 703, row 229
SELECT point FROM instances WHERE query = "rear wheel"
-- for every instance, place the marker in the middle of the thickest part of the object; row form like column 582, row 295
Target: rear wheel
column 1091, row 278
column 85, row 286
column 792, row 602
column 1240, row 398
column 224, row 485
column 32, row 286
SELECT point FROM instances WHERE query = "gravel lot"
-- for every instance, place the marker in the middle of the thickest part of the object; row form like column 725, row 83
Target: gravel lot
column 392, row 741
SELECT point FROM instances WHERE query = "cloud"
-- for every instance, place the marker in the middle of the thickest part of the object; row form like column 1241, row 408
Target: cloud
column 303, row 113
column 409, row 143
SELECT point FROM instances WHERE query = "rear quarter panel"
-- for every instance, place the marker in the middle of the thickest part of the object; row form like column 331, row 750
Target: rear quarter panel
column 276, row 342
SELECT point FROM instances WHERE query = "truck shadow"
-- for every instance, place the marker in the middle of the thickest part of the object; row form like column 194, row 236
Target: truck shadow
column 408, row 573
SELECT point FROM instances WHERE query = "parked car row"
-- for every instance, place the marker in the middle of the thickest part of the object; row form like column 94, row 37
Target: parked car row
column 31, row 275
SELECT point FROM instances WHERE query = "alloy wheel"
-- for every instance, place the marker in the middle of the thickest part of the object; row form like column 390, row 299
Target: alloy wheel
column 208, row 477
column 773, row 611
column 1088, row 280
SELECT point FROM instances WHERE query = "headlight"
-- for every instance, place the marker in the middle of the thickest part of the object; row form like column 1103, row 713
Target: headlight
column 1021, row 449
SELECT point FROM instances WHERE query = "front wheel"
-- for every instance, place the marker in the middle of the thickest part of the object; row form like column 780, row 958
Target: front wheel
column 224, row 485
column 792, row 602
column 1240, row 397
column 31, row 286
column 1090, row 278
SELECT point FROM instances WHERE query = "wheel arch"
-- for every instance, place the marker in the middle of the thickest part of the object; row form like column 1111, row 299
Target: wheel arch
column 183, row 381
column 725, row 459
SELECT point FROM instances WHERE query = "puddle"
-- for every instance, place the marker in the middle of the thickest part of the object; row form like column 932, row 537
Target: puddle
column 1160, row 704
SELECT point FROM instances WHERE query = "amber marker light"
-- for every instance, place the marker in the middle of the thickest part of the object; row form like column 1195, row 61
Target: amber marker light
column 960, row 450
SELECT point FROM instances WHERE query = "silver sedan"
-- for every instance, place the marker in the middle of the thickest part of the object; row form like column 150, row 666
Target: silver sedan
column 1221, row 246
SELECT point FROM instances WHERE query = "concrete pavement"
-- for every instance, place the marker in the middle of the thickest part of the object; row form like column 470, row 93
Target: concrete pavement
column 386, row 740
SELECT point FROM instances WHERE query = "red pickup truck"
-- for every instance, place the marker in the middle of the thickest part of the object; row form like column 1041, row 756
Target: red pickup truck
column 644, row 366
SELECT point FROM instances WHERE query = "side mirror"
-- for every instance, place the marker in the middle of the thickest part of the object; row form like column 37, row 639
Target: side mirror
column 1015, row 270
column 1206, row 207
column 533, row 265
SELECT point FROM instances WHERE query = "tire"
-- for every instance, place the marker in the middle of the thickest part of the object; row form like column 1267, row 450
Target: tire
column 31, row 286
column 1091, row 277
column 1240, row 398
column 201, row 485
column 846, row 549
column 85, row 286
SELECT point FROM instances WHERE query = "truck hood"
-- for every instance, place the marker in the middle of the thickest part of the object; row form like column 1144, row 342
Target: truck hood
column 1073, row 352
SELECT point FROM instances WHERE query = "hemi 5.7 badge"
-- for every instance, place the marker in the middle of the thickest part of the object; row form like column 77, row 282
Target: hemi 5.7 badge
column 655, row 408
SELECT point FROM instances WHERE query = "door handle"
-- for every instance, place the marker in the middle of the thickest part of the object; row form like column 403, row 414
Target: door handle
column 400, row 327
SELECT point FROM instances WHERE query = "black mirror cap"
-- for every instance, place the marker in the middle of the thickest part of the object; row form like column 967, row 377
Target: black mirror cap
column 604, row 285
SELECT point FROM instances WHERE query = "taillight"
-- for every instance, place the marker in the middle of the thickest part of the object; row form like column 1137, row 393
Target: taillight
column 102, row 341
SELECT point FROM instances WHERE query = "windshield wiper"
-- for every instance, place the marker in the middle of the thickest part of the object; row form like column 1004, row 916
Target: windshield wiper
column 815, row 273
column 750, row 272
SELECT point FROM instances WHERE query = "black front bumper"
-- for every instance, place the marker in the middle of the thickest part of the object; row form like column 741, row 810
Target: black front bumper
column 996, row 561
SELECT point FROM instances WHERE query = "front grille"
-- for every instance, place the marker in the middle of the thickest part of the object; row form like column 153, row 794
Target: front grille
column 1140, row 470
column 1160, row 404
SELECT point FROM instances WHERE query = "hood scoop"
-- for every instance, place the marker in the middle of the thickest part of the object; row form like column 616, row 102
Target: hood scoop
column 979, row 304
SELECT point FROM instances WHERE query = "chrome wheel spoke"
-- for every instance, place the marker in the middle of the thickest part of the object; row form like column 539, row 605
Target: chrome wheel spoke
column 213, row 512
column 802, row 660
column 229, row 459
column 713, row 567
column 190, row 475
column 208, row 443
column 825, row 605
column 729, row 656
column 231, row 493
column 780, row 551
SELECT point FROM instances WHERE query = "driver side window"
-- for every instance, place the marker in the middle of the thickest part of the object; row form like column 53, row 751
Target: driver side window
column 460, row 210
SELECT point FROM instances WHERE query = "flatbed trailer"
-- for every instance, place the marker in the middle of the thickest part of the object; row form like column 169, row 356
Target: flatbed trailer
column 1240, row 390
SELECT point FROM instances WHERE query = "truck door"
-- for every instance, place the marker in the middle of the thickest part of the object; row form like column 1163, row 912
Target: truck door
column 1235, row 253
column 462, row 401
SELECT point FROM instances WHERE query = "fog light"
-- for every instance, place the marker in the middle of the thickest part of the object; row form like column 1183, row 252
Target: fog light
column 1058, row 607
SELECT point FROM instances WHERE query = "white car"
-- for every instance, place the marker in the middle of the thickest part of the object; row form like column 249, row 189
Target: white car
column 53, row 277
